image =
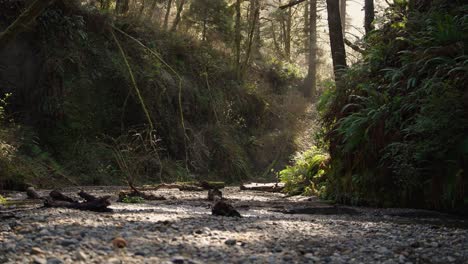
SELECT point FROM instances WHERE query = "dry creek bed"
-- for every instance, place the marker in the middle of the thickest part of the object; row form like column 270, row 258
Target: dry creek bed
column 182, row 230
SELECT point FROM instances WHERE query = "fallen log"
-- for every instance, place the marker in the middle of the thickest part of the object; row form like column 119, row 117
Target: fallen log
column 149, row 197
column 87, row 197
column 222, row 208
column 99, row 205
column 187, row 186
column 32, row 193
column 58, row 196
column 92, row 203
column 262, row 187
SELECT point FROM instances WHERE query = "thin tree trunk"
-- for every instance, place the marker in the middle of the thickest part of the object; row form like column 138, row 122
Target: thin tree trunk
column 152, row 9
column 287, row 42
column 336, row 37
column 275, row 41
column 250, row 40
column 168, row 12
column 343, row 15
column 306, row 29
column 237, row 37
column 142, row 9
column 255, row 5
column 34, row 10
column 180, row 8
column 121, row 6
column 368, row 15
column 204, row 30
column 310, row 86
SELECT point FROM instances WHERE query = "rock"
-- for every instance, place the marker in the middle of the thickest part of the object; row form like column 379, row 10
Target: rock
column 451, row 259
column 39, row 260
column 68, row 242
column 230, row 242
column 80, row 255
column 383, row 250
column 178, row 260
column 54, row 260
column 114, row 261
column 434, row 244
column 36, row 251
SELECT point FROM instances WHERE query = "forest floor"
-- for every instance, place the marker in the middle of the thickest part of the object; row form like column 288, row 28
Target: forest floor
column 182, row 230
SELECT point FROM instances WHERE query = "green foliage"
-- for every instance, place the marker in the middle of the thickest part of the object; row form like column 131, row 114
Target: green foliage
column 396, row 123
column 210, row 16
column 3, row 200
column 307, row 174
column 133, row 199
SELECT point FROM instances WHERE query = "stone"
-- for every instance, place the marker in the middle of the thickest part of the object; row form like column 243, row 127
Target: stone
column 39, row 260
column 80, row 255
column 36, row 251
column 178, row 260
column 54, row 260
column 230, row 242
column 68, row 242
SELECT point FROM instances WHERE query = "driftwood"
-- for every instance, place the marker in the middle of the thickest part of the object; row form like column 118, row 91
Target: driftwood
column 329, row 210
column 99, row 205
column 91, row 203
column 133, row 193
column 58, row 196
column 262, row 187
column 187, row 186
column 222, row 208
column 215, row 195
column 32, row 193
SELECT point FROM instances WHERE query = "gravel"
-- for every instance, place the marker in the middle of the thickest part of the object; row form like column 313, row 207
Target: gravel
column 182, row 230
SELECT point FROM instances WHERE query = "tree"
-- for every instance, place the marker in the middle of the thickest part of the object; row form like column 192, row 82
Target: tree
column 368, row 15
column 336, row 37
column 180, row 8
column 238, row 37
column 343, row 14
column 310, row 82
column 210, row 16
column 122, row 6
column 168, row 12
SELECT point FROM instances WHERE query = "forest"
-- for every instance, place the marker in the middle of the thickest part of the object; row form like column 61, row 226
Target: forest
column 344, row 119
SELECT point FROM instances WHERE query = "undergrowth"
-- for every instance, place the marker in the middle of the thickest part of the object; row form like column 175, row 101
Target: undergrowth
column 83, row 121
column 396, row 124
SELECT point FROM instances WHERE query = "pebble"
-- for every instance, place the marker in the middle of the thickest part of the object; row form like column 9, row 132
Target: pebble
column 39, row 260
column 230, row 242
column 36, row 251
column 54, row 260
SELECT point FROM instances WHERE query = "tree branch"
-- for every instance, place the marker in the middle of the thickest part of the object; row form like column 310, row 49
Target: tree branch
column 292, row 3
column 353, row 46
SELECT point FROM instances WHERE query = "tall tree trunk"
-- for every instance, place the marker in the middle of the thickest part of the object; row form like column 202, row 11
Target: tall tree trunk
column 142, row 9
column 343, row 15
column 336, row 37
column 122, row 6
column 204, row 30
column 306, row 29
column 152, row 9
column 255, row 17
column 250, row 39
column 180, row 8
column 368, row 15
column 310, row 85
column 168, row 12
column 287, row 41
column 237, row 37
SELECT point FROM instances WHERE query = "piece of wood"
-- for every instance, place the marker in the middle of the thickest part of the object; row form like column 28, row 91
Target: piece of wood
column 222, row 208
column 32, row 193
column 99, row 205
column 88, row 197
column 58, row 196
column 262, row 187
column 149, row 197
column 215, row 195
column 331, row 210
